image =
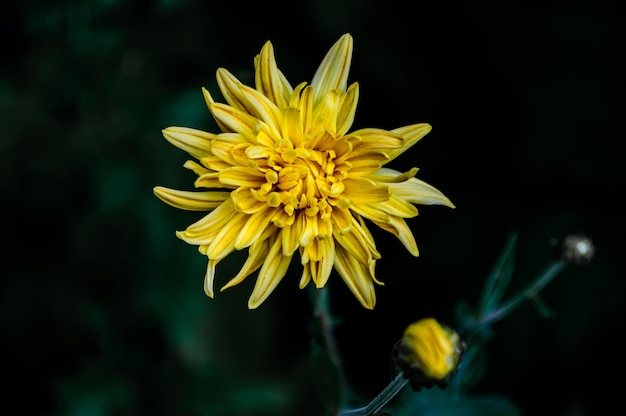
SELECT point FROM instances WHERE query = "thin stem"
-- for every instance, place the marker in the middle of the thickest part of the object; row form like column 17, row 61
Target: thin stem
column 323, row 315
column 542, row 280
column 381, row 400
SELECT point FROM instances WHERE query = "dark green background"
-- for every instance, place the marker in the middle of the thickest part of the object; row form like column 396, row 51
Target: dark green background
column 103, row 310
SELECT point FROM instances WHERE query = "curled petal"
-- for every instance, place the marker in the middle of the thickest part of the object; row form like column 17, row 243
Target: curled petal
column 411, row 134
column 209, row 277
column 195, row 142
column 398, row 227
column 229, row 86
column 191, row 200
column 271, row 273
column 254, row 227
column 256, row 256
column 358, row 278
column 419, row 192
column 347, row 109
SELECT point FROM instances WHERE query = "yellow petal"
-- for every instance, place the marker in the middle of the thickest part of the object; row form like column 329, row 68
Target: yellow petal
column 398, row 227
column 210, row 224
column 373, row 143
column 209, row 277
column 398, row 207
column 209, row 102
column 224, row 242
column 210, row 180
column 271, row 273
column 264, row 109
column 237, row 121
column 357, row 277
column 321, row 269
column 292, row 126
column 254, row 226
column 305, row 278
column 290, row 235
column 358, row 243
column 256, row 256
column 333, row 71
column 363, row 191
column 309, row 231
column 195, row 142
column 190, row 200
column 391, row 176
column 229, row 86
column 196, row 168
column 419, row 192
column 347, row 109
column 242, row 177
column 341, row 220
column 268, row 78
column 244, row 201
column 411, row 134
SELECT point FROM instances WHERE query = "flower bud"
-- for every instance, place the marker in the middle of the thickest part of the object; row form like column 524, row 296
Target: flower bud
column 428, row 354
column 577, row 249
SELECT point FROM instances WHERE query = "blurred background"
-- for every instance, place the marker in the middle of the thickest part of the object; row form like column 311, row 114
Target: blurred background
column 103, row 310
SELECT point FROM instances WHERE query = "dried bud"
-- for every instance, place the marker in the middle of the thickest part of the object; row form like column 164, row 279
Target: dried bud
column 577, row 249
column 428, row 354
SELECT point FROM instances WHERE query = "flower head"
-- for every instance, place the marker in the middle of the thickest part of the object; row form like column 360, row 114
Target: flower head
column 286, row 175
column 577, row 249
column 428, row 353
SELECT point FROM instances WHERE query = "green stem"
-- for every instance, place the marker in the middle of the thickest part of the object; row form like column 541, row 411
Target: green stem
column 381, row 400
column 542, row 280
column 325, row 320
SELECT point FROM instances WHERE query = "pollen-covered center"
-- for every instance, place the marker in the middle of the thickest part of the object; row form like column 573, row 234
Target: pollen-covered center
column 302, row 179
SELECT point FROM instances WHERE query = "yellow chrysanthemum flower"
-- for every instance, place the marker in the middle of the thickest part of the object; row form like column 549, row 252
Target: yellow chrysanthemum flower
column 285, row 175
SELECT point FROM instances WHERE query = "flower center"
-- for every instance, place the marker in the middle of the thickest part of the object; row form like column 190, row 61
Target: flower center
column 302, row 179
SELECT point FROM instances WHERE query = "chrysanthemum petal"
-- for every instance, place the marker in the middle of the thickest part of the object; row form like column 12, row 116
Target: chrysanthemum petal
column 419, row 192
column 269, row 80
column 209, row 225
column 250, row 127
column 195, row 142
column 355, row 243
column 224, row 242
column 191, row 200
column 230, row 87
column 341, row 220
column 209, row 277
column 398, row 207
column 398, row 227
column 242, row 177
column 195, row 167
column 321, row 269
column 290, row 236
column 208, row 99
column 333, row 71
column 372, row 140
column 271, row 273
column 254, row 226
column 262, row 108
column 363, row 191
column 210, row 180
column 411, row 134
column 358, row 278
column 292, row 126
column 387, row 175
column 347, row 109
column 243, row 201
column 256, row 256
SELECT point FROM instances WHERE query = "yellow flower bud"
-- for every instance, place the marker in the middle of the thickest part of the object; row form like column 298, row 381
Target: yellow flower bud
column 428, row 353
